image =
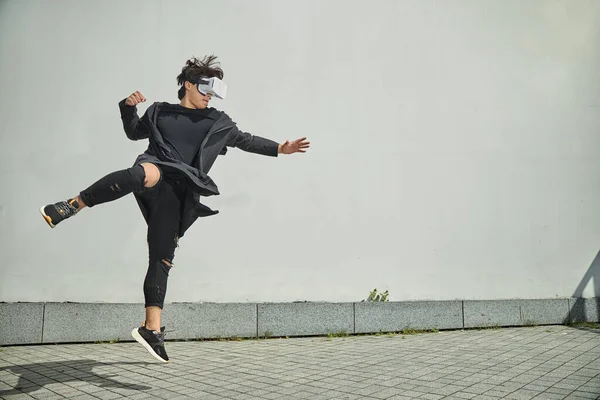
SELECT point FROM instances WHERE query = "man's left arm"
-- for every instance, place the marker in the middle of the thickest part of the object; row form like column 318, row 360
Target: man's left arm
column 267, row 147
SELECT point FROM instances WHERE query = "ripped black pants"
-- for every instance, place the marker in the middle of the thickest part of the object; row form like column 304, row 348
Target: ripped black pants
column 164, row 201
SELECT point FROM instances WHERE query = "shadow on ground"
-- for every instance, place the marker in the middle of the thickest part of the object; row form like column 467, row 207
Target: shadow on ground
column 34, row 376
column 587, row 310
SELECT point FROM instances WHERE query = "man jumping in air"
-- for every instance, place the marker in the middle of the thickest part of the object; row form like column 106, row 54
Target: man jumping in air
column 169, row 178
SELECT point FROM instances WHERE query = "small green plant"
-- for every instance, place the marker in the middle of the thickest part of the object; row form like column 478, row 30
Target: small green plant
column 267, row 334
column 410, row 331
column 111, row 341
column 377, row 297
column 338, row 334
column 230, row 339
column 491, row 327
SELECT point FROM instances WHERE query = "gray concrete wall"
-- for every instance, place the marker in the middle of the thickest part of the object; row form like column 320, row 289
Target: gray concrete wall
column 455, row 155
column 22, row 323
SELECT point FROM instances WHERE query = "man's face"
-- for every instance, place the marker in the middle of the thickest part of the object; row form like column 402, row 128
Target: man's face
column 197, row 99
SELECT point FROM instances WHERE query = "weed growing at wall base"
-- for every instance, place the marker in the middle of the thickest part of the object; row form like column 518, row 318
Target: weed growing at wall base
column 112, row 341
column 377, row 297
column 589, row 325
column 339, row 334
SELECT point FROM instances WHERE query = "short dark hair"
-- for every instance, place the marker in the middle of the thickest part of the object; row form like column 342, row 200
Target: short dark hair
column 194, row 69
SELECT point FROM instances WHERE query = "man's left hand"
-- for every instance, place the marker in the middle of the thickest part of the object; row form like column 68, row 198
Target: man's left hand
column 297, row 146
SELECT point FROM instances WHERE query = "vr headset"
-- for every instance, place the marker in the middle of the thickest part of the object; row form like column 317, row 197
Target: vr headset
column 213, row 86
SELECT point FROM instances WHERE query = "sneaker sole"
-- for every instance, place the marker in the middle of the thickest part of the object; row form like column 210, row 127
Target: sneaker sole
column 46, row 217
column 138, row 338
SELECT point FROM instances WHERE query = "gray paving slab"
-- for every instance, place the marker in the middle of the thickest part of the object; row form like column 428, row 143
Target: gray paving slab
column 210, row 320
column 64, row 322
column 21, row 323
column 487, row 313
column 80, row 322
column 505, row 363
column 584, row 309
column 299, row 319
column 398, row 316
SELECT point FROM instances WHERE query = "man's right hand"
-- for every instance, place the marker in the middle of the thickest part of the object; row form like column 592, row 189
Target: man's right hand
column 135, row 98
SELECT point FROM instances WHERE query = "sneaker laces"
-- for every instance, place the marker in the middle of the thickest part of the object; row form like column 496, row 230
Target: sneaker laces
column 65, row 209
column 160, row 336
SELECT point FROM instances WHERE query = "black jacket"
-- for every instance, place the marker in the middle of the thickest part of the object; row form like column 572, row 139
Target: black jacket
column 224, row 133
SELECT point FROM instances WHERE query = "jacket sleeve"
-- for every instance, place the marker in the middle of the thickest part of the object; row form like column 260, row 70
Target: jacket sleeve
column 135, row 128
column 252, row 144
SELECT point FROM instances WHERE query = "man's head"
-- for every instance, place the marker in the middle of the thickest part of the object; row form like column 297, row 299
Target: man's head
column 191, row 74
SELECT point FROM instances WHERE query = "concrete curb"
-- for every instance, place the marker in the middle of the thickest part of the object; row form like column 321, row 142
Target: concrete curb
column 32, row 323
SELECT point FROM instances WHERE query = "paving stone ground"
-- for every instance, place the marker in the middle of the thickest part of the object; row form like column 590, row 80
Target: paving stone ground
column 545, row 362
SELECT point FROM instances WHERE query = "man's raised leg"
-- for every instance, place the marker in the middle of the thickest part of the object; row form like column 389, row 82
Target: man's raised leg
column 109, row 188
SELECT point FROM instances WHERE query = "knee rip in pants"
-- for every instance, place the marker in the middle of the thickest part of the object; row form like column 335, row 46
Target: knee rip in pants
column 139, row 174
column 168, row 261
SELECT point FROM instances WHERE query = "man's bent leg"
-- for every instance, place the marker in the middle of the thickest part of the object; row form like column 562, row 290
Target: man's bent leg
column 120, row 183
column 109, row 188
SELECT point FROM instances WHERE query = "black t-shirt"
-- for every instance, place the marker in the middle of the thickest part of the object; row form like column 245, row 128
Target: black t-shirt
column 183, row 129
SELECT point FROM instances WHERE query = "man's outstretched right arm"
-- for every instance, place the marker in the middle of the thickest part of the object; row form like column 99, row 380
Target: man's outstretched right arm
column 133, row 126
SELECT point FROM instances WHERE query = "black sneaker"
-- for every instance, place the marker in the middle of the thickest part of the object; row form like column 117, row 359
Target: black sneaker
column 55, row 213
column 152, row 341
